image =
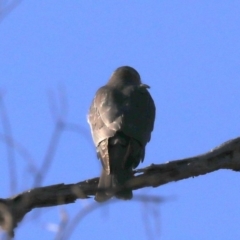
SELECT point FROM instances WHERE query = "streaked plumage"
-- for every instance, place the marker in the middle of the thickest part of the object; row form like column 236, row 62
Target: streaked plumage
column 121, row 118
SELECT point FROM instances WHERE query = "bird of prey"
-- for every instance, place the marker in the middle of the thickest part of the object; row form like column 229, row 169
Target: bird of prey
column 121, row 119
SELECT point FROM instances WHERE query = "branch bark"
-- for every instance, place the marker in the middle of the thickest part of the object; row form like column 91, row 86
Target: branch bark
column 225, row 156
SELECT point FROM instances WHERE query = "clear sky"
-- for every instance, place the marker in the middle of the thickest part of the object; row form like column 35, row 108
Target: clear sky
column 187, row 51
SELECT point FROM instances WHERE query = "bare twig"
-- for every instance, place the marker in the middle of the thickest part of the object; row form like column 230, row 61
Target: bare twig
column 151, row 211
column 21, row 150
column 79, row 216
column 51, row 151
column 62, row 225
column 94, row 206
column 59, row 116
column 10, row 151
column 226, row 156
column 6, row 9
column 58, row 104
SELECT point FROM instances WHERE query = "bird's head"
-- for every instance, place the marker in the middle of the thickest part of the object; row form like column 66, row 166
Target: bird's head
column 125, row 75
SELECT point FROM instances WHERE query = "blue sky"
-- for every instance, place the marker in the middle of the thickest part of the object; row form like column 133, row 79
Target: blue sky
column 187, row 51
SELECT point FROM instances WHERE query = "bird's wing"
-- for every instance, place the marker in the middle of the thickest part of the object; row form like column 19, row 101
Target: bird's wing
column 105, row 119
column 138, row 114
column 130, row 110
column 105, row 116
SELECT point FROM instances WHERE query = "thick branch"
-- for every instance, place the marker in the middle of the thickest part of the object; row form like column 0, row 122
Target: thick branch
column 226, row 156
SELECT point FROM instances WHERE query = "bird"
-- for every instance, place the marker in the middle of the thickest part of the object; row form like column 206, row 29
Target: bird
column 121, row 119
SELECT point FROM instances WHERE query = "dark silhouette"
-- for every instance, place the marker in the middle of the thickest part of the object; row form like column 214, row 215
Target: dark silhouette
column 121, row 118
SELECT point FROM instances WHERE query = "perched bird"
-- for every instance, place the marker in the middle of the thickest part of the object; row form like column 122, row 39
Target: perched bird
column 121, row 119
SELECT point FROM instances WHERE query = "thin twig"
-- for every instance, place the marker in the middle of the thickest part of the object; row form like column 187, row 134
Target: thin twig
column 63, row 224
column 10, row 151
column 50, row 153
column 21, row 150
column 8, row 8
column 94, row 206
column 59, row 115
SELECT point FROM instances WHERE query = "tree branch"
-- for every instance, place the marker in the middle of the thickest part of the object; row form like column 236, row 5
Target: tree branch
column 225, row 156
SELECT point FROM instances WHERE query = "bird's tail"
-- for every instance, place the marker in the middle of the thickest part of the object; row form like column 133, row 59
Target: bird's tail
column 108, row 184
column 121, row 178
